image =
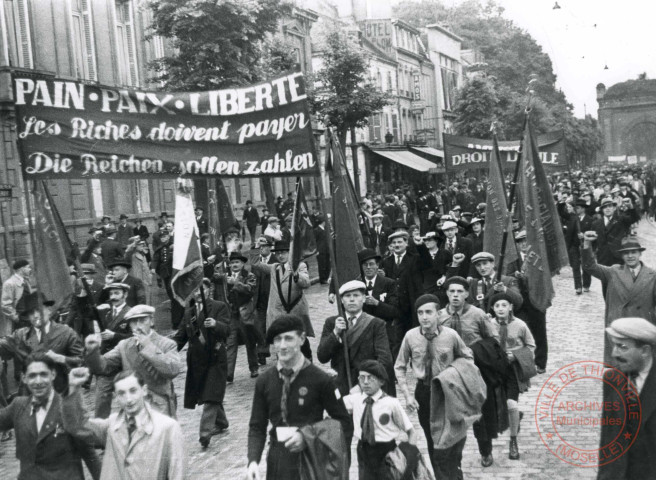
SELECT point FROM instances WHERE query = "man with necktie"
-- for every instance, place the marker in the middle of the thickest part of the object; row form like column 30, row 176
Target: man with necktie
column 379, row 235
column 614, row 225
column 116, row 328
column 630, row 288
column 45, row 450
column 455, row 243
column 365, row 337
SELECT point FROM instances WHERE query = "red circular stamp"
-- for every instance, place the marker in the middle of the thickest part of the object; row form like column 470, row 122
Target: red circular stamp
column 584, row 402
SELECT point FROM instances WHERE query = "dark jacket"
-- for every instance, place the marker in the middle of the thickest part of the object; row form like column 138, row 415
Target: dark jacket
column 368, row 342
column 377, row 241
column 202, row 224
column 136, row 294
column 80, row 316
column 111, row 250
column 207, row 367
column 251, row 217
column 434, row 268
column 51, row 453
column 142, row 231
column 321, row 237
column 609, row 237
column 464, row 246
column 325, row 456
column 119, row 325
column 163, row 260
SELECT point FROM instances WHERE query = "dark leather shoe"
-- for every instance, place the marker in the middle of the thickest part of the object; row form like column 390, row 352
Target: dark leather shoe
column 519, row 427
column 261, row 359
column 230, row 379
column 204, row 442
column 219, row 431
column 487, row 460
column 513, row 452
column 254, row 373
column 541, row 370
column 579, row 291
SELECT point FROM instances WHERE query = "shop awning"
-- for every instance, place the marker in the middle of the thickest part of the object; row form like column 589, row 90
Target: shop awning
column 407, row 159
column 430, row 151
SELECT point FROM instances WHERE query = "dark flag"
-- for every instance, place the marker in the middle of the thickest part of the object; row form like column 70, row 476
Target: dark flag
column 303, row 243
column 51, row 268
column 227, row 219
column 347, row 237
column 497, row 215
column 547, row 252
column 187, row 259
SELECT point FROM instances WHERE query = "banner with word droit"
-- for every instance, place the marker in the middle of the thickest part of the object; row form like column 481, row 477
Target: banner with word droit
column 71, row 129
column 464, row 153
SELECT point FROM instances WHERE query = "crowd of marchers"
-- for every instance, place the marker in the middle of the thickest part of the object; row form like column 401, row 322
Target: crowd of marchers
column 430, row 321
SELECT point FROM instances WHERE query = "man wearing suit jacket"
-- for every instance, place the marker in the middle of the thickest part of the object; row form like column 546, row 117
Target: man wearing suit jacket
column 260, row 268
column 379, row 235
column 436, row 266
column 477, row 235
column 57, row 341
column 392, row 211
column 630, row 288
column 633, row 342
column 80, row 317
column 611, row 229
column 111, row 249
column 206, row 331
column 44, row 449
column 119, row 273
column 323, row 257
column 252, row 219
column 403, row 267
column 201, row 221
column 456, row 243
column 365, row 335
column 585, row 222
column 406, row 216
column 148, row 353
column 116, row 329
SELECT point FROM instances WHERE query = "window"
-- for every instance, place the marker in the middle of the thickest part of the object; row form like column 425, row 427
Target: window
column 83, row 41
column 375, row 134
column 20, row 36
column 390, row 87
column 126, row 50
column 143, row 196
column 449, row 74
column 96, row 194
column 395, row 127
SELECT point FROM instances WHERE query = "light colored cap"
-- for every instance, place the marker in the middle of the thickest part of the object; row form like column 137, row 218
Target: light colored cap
column 118, row 286
column 480, row 256
column 139, row 311
column 430, row 236
column 378, row 215
column 521, row 235
column 449, row 224
column 273, row 219
column 351, row 286
column 634, row 328
column 476, row 220
column 398, row 235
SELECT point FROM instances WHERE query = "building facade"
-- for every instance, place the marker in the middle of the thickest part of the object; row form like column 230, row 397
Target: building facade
column 627, row 118
column 108, row 42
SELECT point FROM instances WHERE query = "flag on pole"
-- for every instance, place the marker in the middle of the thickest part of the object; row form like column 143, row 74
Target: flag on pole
column 51, row 269
column 227, row 218
column 546, row 245
column 187, row 259
column 497, row 215
column 347, row 237
column 303, row 244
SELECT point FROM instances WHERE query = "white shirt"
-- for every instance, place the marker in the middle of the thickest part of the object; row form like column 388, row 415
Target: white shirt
column 45, row 330
column 635, row 271
column 265, row 259
column 367, row 281
column 42, row 412
column 389, row 417
column 355, row 318
column 642, row 376
column 115, row 310
column 399, row 258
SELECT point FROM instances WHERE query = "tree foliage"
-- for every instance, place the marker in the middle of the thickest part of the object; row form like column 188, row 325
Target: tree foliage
column 512, row 58
column 217, row 43
column 345, row 94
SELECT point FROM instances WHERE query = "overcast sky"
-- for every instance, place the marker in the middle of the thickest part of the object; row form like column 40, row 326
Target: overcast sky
column 624, row 38
column 583, row 37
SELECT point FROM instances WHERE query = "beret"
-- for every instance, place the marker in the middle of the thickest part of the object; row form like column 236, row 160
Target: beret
column 502, row 296
column 634, row 328
column 427, row 298
column 480, row 256
column 117, row 286
column 88, row 267
column 521, row 235
column 284, row 324
column 375, row 368
column 457, row 281
column 18, row 264
column 352, row 285
column 394, row 235
column 449, row 224
column 139, row 311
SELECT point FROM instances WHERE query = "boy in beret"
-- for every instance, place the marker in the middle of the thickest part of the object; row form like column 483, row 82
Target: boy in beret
column 379, row 420
column 292, row 395
column 517, row 341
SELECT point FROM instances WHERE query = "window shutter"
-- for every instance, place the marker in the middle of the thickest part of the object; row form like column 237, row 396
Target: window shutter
column 129, row 39
column 89, row 40
column 25, row 38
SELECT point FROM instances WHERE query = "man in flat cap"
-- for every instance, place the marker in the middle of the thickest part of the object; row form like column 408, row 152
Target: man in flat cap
column 428, row 350
column 481, row 290
column 323, row 252
column 15, row 292
column 630, row 287
column 272, row 232
column 293, row 396
column 116, row 328
column 252, row 219
column 633, row 345
column 535, row 319
column 152, row 355
column 455, row 243
column 378, row 239
column 365, row 337
column 613, row 226
column 119, row 272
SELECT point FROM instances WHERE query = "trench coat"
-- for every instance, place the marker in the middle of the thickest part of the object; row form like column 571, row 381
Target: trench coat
column 206, row 370
column 301, row 308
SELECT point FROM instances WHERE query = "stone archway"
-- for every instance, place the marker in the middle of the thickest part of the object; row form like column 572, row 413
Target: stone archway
column 640, row 140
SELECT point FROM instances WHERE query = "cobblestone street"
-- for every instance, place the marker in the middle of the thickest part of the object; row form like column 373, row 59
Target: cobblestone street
column 575, row 328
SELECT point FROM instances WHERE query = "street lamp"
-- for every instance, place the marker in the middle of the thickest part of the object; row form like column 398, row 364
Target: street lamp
column 389, row 137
